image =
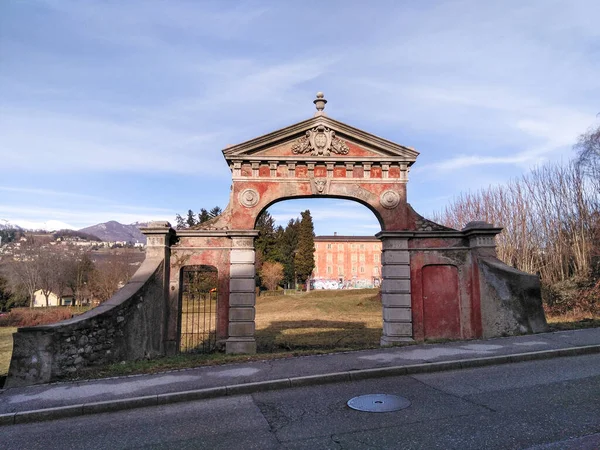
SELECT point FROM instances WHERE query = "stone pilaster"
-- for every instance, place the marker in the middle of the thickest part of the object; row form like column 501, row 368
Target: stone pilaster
column 395, row 289
column 241, row 293
column 158, row 246
column 482, row 237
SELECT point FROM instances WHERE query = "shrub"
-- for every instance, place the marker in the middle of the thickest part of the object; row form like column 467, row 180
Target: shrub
column 29, row 317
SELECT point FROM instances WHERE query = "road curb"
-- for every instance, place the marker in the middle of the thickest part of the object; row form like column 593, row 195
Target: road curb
column 282, row 383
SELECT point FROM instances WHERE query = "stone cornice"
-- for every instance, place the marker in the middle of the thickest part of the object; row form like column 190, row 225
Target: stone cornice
column 216, row 233
column 389, row 150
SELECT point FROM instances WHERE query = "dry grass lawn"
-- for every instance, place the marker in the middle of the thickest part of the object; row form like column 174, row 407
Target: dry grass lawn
column 319, row 320
column 572, row 320
column 5, row 349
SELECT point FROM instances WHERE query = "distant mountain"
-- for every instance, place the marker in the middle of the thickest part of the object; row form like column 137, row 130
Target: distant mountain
column 115, row 231
column 49, row 225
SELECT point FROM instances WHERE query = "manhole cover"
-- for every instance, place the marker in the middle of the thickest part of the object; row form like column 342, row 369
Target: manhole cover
column 378, row 403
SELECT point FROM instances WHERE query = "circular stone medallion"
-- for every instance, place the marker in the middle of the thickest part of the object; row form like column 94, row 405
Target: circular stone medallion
column 389, row 199
column 249, row 198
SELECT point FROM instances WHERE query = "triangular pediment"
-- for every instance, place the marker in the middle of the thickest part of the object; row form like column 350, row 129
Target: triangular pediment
column 320, row 138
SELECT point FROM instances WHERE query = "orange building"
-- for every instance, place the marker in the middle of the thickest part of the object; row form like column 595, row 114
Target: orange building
column 347, row 261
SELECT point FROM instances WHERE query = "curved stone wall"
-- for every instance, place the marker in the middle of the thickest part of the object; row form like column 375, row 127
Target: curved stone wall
column 128, row 326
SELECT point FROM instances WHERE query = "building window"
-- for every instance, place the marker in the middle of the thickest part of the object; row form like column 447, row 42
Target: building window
column 377, row 258
column 341, row 247
column 329, row 257
column 328, row 246
column 362, row 258
column 340, row 258
column 340, row 270
column 353, row 257
column 329, row 270
column 353, row 269
column 375, row 270
column 362, row 246
column 353, row 246
column 362, row 269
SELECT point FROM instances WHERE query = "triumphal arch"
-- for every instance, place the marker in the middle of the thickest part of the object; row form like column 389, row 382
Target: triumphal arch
column 437, row 282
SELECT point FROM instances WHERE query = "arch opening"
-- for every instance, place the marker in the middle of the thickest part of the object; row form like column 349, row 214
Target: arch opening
column 338, row 305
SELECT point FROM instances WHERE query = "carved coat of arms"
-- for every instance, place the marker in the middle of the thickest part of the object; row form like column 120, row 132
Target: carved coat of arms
column 320, row 141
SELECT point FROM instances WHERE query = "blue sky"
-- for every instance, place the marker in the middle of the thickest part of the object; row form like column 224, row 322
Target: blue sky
column 120, row 110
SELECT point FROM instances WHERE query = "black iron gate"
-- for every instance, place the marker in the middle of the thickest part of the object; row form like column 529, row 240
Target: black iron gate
column 198, row 309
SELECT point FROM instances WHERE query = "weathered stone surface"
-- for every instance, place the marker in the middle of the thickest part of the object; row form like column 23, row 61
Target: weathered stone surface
column 395, row 286
column 241, row 346
column 396, row 299
column 511, row 300
column 242, row 256
column 401, row 329
column 397, row 314
column 241, row 299
column 241, row 329
column 395, row 257
column 241, row 314
column 241, row 285
column 396, row 271
column 242, row 271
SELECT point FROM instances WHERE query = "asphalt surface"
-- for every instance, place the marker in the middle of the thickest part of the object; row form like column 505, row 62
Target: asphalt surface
column 536, row 405
column 69, row 399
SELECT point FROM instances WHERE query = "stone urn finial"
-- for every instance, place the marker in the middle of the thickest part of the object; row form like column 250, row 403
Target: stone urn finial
column 320, row 103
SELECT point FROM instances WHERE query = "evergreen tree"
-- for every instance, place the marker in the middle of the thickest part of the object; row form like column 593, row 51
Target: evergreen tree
column 304, row 258
column 265, row 242
column 203, row 216
column 288, row 245
column 180, row 222
column 191, row 219
column 216, row 211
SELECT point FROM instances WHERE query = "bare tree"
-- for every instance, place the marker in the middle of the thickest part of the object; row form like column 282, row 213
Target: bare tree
column 22, row 270
column 271, row 274
column 550, row 218
column 110, row 275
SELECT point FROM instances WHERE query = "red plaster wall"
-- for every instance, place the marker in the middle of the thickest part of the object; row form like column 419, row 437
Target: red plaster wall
column 441, row 318
column 427, row 323
column 394, row 172
column 264, row 171
column 320, row 171
column 339, row 172
column 358, row 172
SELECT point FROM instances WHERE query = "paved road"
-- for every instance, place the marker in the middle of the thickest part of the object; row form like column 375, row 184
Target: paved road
column 548, row 404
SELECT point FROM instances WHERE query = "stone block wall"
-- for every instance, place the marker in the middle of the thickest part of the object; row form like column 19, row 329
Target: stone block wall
column 129, row 326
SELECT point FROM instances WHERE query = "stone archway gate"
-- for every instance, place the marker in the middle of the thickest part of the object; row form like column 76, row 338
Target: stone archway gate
column 437, row 282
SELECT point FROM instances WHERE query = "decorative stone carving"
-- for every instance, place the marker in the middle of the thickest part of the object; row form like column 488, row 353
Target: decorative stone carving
column 389, row 199
column 320, row 141
column 320, row 186
column 249, row 198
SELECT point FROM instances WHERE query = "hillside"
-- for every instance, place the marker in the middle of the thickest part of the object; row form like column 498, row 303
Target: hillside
column 115, row 231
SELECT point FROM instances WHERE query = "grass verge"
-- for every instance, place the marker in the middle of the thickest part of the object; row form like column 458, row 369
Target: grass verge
column 6, row 344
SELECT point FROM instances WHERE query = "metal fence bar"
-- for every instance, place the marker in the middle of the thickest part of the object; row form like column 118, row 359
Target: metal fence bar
column 198, row 312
